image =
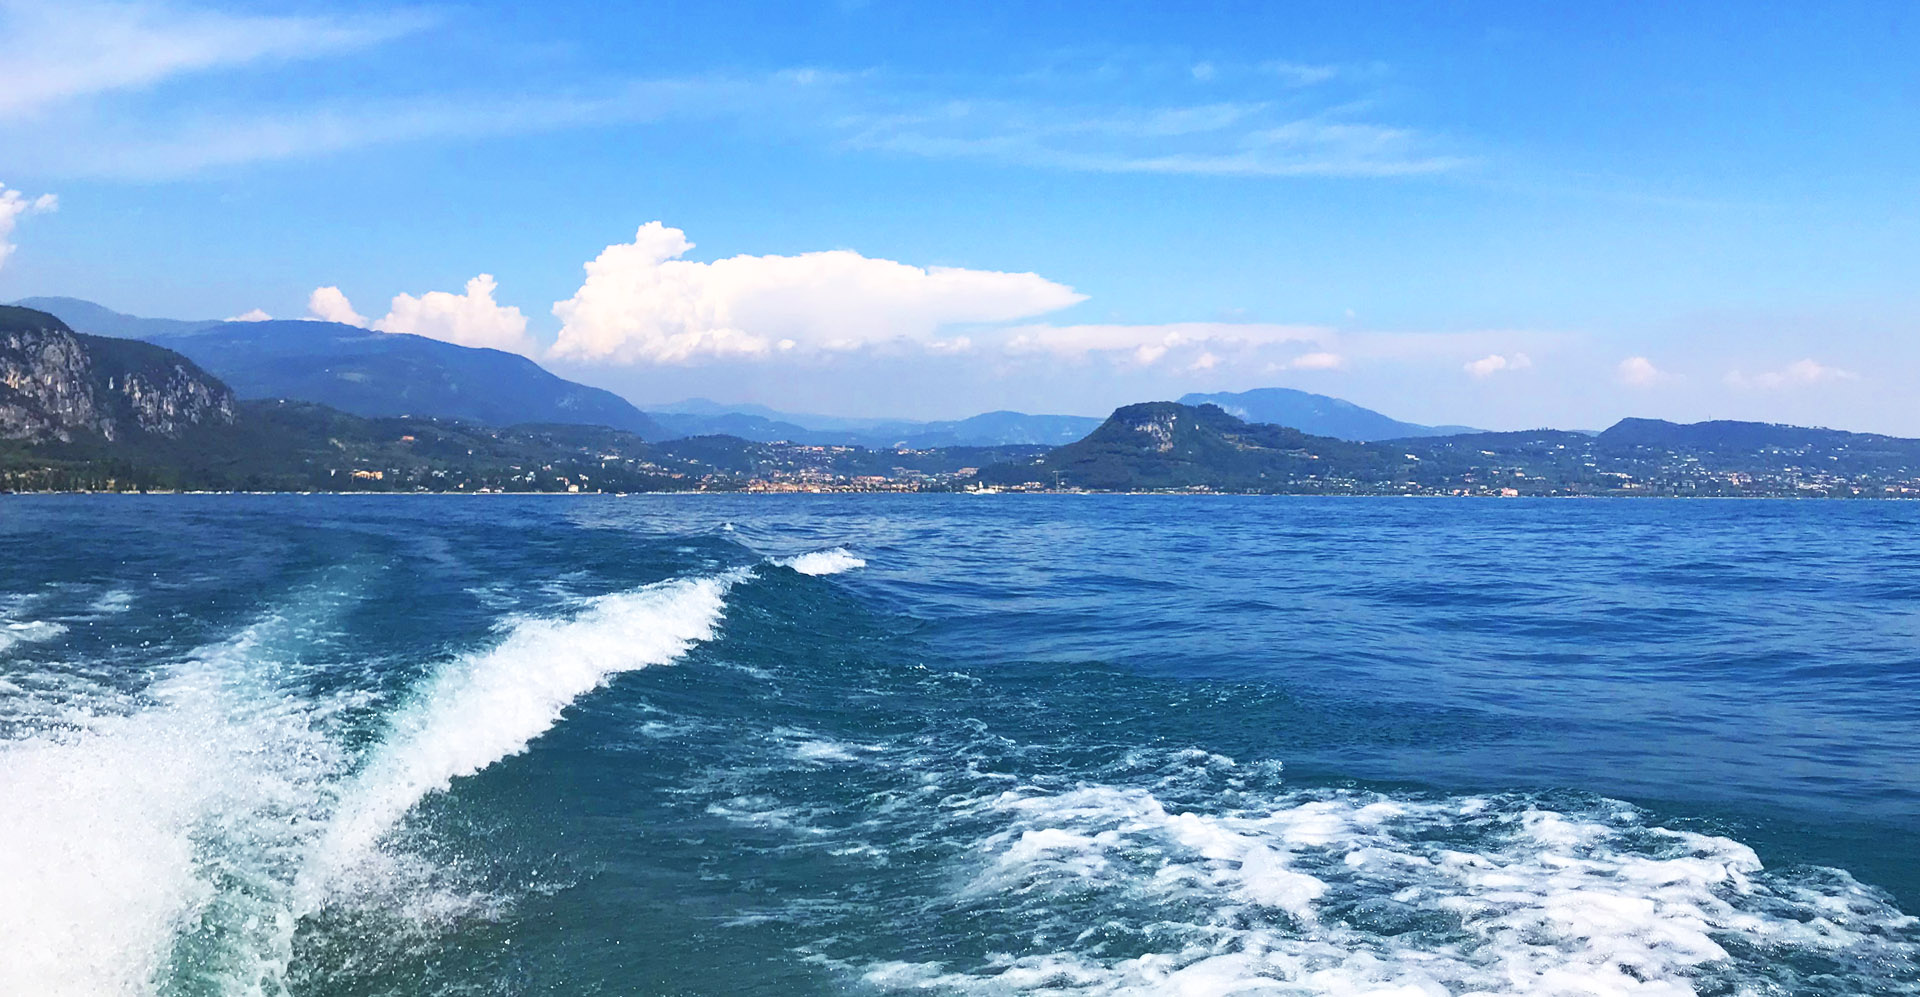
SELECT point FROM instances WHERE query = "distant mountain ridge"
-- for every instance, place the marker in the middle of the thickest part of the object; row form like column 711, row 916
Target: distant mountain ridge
column 1727, row 434
column 99, row 320
column 369, row 373
column 700, row 417
column 1169, row 446
column 1319, row 415
column 378, row 374
column 90, row 413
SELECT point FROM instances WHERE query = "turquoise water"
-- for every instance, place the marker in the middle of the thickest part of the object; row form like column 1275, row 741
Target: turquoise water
column 957, row 745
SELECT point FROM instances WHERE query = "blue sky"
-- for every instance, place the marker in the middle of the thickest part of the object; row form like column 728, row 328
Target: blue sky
column 1492, row 214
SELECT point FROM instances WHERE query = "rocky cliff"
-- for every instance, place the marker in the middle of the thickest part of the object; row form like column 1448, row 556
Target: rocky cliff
column 57, row 385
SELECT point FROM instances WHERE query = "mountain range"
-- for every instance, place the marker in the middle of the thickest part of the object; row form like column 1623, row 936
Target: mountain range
column 81, row 412
column 766, row 425
column 367, row 373
column 1320, row 415
column 378, row 374
column 1170, row 446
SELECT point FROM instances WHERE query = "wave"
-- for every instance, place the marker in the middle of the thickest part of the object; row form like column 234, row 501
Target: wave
column 489, row 705
column 823, row 562
column 138, row 825
column 177, row 837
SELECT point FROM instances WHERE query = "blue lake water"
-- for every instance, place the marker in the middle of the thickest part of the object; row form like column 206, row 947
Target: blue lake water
column 957, row 745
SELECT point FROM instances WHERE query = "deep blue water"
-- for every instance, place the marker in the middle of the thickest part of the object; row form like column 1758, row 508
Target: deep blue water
column 1033, row 744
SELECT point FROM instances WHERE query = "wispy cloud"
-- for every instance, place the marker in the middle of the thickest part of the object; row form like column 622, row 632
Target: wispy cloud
column 1148, row 344
column 1796, row 374
column 1639, row 372
column 73, row 69
column 1248, row 139
column 1267, row 347
column 141, row 146
column 1494, row 363
column 55, row 51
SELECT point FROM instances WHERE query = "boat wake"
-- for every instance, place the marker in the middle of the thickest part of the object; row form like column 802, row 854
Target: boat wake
column 177, row 838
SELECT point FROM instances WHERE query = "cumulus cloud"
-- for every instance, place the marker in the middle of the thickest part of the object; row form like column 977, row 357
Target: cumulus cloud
column 470, row 319
column 1801, row 372
column 252, row 315
column 642, row 304
column 1493, row 363
column 330, row 304
column 1639, row 372
column 15, row 205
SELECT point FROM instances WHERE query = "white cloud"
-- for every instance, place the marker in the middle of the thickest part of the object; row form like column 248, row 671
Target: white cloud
column 1145, row 345
column 641, row 303
column 58, row 50
column 1639, row 372
column 1317, row 361
column 1800, row 372
column 252, row 315
column 1494, row 363
column 470, row 319
column 1271, row 347
column 330, row 304
column 13, row 206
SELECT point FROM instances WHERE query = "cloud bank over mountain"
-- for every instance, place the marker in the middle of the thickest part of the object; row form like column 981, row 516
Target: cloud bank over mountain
column 642, row 303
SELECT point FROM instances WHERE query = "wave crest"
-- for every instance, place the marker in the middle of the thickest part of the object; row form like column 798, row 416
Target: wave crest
column 486, row 706
column 832, row 561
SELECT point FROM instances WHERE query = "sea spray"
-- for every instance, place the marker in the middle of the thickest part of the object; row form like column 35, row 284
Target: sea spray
column 148, row 841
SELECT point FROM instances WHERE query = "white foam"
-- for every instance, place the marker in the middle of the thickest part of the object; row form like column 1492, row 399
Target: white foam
column 29, row 632
column 807, row 746
column 112, row 601
column 188, row 828
column 1360, row 895
column 822, row 751
column 486, row 706
column 824, row 562
column 112, row 833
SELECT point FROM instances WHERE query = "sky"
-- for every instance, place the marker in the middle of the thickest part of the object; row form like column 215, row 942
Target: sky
column 1505, row 215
